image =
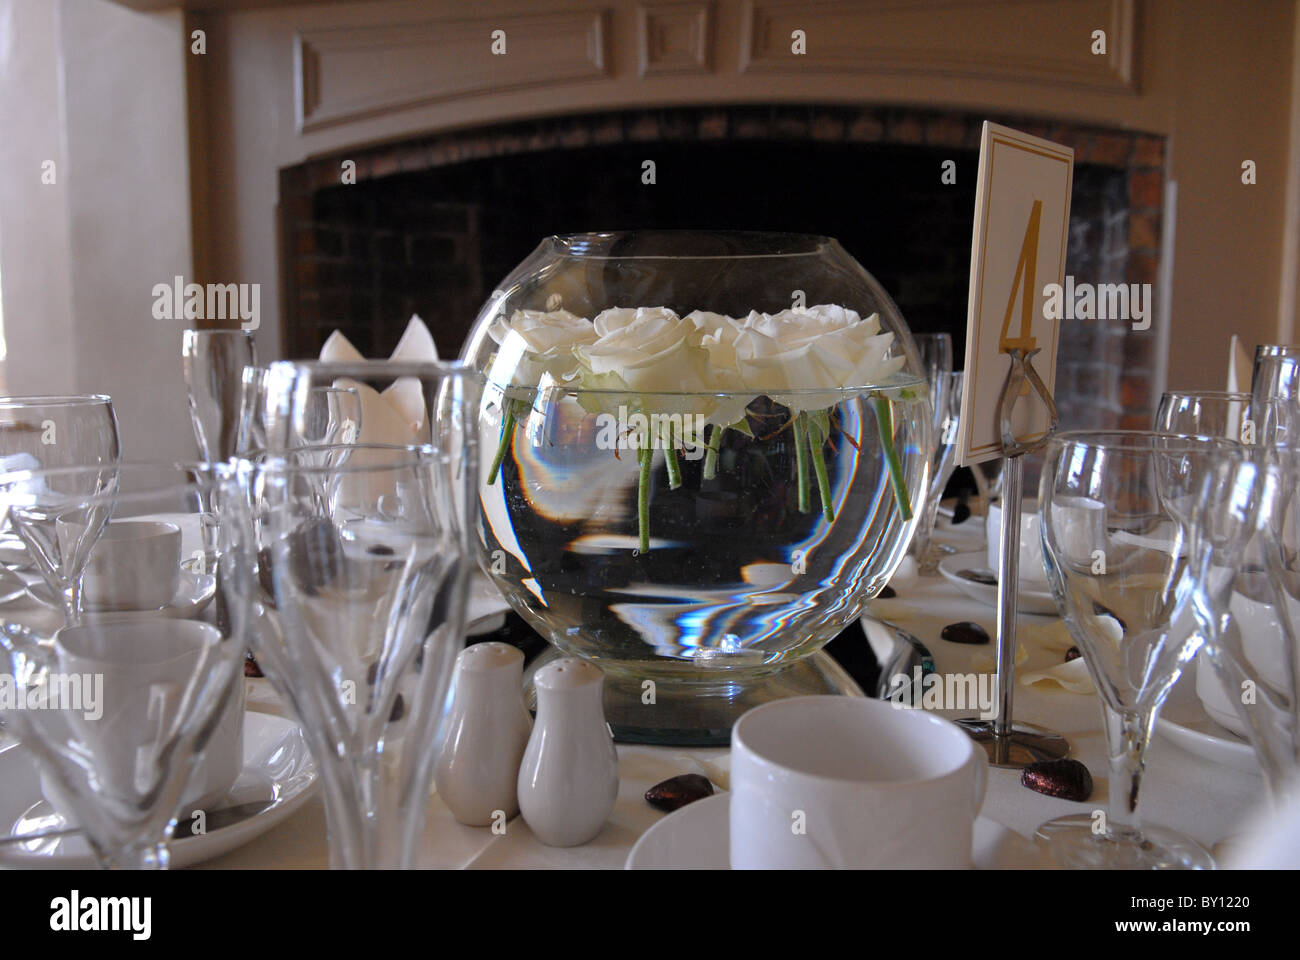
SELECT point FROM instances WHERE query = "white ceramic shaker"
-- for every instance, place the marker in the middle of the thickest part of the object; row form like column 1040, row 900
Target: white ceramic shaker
column 486, row 733
column 569, row 779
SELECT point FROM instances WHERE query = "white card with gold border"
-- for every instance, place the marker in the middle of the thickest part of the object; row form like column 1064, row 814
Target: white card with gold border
column 1022, row 222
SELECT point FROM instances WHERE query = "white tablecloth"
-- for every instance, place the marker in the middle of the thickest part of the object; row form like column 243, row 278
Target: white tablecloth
column 1206, row 801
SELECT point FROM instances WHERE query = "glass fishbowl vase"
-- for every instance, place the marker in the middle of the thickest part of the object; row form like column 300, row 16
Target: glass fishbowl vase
column 702, row 454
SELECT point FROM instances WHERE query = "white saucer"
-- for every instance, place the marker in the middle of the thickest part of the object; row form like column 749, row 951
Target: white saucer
column 279, row 776
column 194, row 592
column 1184, row 721
column 1035, row 597
column 697, row 837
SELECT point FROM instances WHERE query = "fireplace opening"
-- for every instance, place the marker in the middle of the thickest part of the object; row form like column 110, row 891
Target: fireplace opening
column 430, row 226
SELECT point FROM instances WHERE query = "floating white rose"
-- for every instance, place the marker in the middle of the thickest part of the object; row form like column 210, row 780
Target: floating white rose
column 534, row 345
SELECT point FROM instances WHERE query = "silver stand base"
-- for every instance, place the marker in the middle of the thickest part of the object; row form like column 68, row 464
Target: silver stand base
column 1024, row 744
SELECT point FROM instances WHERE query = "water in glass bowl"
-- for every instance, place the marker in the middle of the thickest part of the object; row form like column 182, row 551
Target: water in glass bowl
column 741, row 560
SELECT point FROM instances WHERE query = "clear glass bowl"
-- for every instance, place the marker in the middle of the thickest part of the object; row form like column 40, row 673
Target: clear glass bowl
column 780, row 511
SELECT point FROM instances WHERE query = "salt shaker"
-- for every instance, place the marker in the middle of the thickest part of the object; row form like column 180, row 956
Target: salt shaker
column 486, row 733
column 569, row 779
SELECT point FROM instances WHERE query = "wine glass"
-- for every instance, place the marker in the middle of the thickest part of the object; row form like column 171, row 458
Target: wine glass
column 1116, row 507
column 214, row 362
column 1275, row 380
column 1208, row 413
column 1247, row 613
column 942, row 464
column 369, row 585
column 118, row 762
column 46, row 432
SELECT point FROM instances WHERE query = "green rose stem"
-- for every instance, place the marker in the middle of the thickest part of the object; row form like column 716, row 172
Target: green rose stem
column 645, row 456
column 885, row 423
column 507, row 433
column 670, row 458
column 815, row 443
column 711, row 452
column 801, row 460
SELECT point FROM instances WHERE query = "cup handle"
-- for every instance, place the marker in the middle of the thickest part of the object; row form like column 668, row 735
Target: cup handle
column 980, row 760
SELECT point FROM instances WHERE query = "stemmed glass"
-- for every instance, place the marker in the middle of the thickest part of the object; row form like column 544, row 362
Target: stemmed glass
column 1209, row 413
column 46, row 432
column 1248, row 505
column 1116, row 509
column 1275, row 381
column 214, row 363
column 942, row 464
column 117, row 763
column 369, row 586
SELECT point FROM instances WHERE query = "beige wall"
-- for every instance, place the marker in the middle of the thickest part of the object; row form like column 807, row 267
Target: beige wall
column 100, row 89
column 1214, row 75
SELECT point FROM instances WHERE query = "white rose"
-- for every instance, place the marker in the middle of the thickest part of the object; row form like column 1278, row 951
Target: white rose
column 535, row 347
column 718, row 334
column 825, row 347
column 649, row 350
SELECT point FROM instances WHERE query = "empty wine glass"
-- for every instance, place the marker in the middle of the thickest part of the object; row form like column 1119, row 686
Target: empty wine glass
column 122, row 712
column 1115, row 510
column 46, row 432
column 942, row 464
column 369, row 586
column 1275, row 381
column 1208, row 413
column 214, row 362
column 1247, row 614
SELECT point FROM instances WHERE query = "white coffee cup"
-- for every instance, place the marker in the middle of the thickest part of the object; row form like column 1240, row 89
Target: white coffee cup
column 852, row 783
column 134, row 565
column 146, row 666
column 1031, row 546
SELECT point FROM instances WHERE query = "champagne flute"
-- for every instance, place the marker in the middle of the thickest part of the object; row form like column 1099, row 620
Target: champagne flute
column 1116, row 508
column 214, row 362
column 942, row 464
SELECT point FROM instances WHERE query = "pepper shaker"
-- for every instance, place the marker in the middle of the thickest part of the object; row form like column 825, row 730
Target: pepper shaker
column 569, row 779
column 486, row 733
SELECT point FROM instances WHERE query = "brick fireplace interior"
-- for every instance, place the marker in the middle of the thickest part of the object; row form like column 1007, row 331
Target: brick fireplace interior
column 430, row 226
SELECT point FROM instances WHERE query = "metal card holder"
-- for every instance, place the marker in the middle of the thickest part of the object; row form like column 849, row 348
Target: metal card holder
column 1011, row 744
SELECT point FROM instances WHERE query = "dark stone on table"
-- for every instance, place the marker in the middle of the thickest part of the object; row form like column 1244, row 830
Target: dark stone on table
column 676, row 792
column 965, row 632
column 1064, row 779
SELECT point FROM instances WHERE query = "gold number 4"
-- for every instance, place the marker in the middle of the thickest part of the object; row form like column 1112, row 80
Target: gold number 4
column 1026, row 269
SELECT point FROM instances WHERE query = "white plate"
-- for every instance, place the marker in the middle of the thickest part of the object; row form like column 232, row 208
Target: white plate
column 697, row 837
column 279, row 773
column 1034, row 597
column 1183, row 721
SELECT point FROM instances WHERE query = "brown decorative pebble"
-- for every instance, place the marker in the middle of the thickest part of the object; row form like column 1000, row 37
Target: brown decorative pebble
column 1065, row 779
column 251, row 669
column 979, row 576
column 676, row 792
column 1072, row 654
column 965, row 632
column 889, row 593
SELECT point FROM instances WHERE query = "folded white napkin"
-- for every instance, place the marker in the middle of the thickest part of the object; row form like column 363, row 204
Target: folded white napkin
column 398, row 415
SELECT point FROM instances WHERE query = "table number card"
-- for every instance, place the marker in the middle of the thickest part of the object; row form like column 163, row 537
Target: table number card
column 1022, row 218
